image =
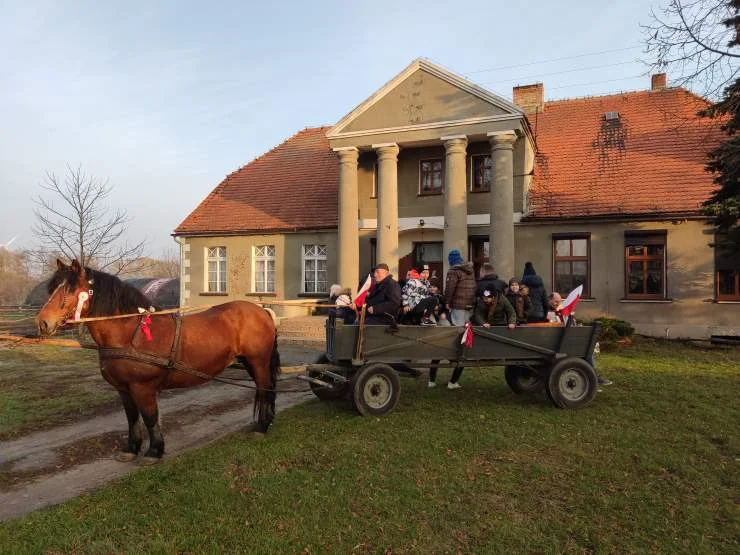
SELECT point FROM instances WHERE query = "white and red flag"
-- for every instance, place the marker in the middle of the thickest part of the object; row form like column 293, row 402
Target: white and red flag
column 569, row 304
column 364, row 290
column 467, row 336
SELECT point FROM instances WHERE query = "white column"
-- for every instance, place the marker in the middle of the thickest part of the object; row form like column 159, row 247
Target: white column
column 501, row 238
column 456, row 203
column 387, row 233
column 348, row 237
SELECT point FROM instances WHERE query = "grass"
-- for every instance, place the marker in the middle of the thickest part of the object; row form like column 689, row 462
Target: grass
column 44, row 386
column 651, row 466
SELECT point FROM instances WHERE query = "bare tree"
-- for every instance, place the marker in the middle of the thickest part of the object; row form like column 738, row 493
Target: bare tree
column 695, row 41
column 73, row 220
column 15, row 278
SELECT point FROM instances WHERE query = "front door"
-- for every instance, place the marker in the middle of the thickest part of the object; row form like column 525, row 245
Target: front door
column 478, row 252
column 429, row 253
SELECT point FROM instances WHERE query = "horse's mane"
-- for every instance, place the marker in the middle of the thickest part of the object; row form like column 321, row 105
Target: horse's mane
column 111, row 295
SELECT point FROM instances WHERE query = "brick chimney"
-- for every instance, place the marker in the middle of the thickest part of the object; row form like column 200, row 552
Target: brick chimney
column 530, row 98
column 658, row 82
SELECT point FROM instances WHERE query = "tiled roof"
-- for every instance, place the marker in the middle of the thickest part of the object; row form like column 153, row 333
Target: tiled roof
column 648, row 161
column 293, row 186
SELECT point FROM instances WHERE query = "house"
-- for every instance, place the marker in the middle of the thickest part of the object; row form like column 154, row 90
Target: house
column 601, row 191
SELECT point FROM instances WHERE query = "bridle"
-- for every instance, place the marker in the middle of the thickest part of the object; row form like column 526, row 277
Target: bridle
column 82, row 297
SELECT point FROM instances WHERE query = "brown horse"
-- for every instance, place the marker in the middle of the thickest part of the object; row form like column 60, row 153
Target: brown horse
column 205, row 342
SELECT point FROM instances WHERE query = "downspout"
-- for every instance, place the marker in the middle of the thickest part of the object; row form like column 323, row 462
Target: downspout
column 181, row 243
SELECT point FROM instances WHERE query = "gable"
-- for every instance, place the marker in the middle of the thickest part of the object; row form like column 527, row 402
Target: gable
column 422, row 98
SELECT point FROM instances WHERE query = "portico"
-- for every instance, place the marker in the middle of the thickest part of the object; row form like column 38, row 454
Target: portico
column 428, row 111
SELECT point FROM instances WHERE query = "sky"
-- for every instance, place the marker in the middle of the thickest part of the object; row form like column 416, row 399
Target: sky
column 164, row 99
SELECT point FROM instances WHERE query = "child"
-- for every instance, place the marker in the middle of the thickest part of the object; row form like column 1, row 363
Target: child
column 522, row 305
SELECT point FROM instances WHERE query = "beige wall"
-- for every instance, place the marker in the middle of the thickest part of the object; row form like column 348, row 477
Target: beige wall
column 422, row 98
column 288, row 266
column 690, row 312
column 413, row 205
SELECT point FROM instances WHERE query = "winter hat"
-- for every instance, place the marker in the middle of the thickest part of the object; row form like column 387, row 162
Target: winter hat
column 455, row 258
column 412, row 274
column 335, row 289
column 529, row 269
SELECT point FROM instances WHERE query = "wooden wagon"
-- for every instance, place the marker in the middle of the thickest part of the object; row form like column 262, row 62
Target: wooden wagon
column 363, row 362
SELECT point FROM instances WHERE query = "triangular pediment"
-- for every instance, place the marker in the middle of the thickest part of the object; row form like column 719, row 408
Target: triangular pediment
column 424, row 94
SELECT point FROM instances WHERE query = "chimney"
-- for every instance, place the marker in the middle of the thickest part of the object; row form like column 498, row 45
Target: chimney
column 530, row 98
column 658, row 82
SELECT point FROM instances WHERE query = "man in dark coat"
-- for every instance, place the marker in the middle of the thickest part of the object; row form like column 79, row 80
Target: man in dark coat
column 537, row 294
column 384, row 299
column 489, row 280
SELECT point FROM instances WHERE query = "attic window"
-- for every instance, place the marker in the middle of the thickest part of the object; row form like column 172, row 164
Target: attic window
column 611, row 116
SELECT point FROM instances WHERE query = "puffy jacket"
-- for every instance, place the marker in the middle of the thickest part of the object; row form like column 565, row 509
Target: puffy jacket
column 522, row 306
column 460, row 286
column 414, row 291
column 501, row 315
column 537, row 295
column 385, row 297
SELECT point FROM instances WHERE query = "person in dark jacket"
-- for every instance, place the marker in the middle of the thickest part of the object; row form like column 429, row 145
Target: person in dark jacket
column 537, row 294
column 459, row 288
column 521, row 303
column 494, row 309
column 489, row 280
column 384, row 299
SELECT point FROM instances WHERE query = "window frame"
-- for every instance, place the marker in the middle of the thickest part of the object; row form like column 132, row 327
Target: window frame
column 732, row 297
column 220, row 273
column 432, row 193
column 653, row 237
column 473, row 158
column 316, row 258
column 555, row 259
column 266, row 258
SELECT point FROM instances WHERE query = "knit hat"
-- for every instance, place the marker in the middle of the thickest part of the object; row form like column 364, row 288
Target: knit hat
column 455, row 258
column 412, row 274
column 529, row 269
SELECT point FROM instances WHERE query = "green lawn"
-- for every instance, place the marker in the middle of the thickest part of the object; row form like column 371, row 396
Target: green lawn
column 651, row 466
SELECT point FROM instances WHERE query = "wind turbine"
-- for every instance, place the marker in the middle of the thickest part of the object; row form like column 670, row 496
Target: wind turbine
column 7, row 245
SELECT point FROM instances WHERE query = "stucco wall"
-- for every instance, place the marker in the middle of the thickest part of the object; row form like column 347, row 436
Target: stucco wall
column 690, row 310
column 413, row 205
column 288, row 266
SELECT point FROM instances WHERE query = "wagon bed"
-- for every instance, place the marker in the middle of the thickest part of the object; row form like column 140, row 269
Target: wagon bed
column 363, row 362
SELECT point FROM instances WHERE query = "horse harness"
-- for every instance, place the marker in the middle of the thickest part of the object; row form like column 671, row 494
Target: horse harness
column 170, row 363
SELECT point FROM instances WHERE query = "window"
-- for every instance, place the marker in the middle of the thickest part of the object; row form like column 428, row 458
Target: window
column 314, row 269
column 216, row 258
column 571, row 263
column 264, row 269
column 727, row 270
column 431, row 177
column 645, row 262
column 481, row 174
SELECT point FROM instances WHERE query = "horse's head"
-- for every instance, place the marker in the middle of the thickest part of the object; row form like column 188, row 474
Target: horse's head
column 70, row 296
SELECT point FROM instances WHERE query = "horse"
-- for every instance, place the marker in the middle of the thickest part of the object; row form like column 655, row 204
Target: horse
column 140, row 356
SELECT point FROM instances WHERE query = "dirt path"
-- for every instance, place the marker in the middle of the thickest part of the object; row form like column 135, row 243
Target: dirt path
column 51, row 466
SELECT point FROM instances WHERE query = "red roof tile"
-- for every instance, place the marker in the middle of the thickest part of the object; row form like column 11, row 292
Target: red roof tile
column 293, row 186
column 649, row 161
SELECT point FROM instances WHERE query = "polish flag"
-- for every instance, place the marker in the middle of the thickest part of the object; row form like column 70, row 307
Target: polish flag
column 570, row 302
column 364, row 290
column 467, row 336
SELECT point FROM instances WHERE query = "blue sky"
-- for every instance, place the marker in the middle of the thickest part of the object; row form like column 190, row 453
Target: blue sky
column 166, row 98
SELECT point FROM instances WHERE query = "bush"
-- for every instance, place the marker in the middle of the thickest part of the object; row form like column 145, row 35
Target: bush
column 614, row 330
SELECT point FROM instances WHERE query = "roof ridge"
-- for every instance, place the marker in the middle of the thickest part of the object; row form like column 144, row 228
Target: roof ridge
column 629, row 93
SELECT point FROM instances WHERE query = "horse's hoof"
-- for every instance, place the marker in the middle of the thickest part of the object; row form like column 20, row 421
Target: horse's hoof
column 148, row 461
column 125, row 456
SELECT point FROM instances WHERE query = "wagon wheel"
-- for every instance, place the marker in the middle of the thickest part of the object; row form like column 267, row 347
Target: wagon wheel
column 571, row 383
column 522, row 379
column 375, row 389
